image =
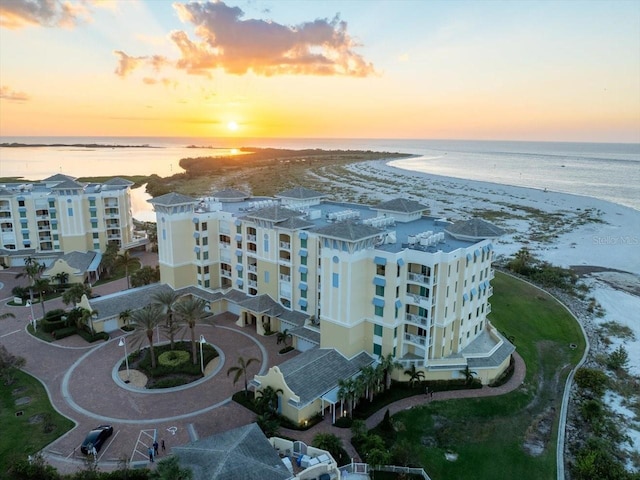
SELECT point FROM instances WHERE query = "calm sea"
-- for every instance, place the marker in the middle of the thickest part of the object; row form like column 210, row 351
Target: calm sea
column 607, row 171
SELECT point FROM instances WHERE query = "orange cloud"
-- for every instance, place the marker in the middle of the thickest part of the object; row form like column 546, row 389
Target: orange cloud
column 16, row 14
column 226, row 42
column 7, row 94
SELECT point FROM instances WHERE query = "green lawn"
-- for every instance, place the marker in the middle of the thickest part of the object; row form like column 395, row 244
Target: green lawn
column 488, row 434
column 20, row 436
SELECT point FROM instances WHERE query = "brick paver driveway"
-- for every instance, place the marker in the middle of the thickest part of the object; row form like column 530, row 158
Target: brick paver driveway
column 83, row 385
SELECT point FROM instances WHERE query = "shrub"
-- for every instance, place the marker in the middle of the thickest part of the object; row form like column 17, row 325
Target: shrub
column 92, row 338
column 618, row 359
column 64, row 332
column 286, row 350
column 591, row 380
column 173, row 358
column 344, row 422
column 55, row 314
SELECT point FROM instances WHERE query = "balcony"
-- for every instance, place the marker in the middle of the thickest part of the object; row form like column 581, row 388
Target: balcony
column 419, row 300
column 492, row 274
column 7, row 230
column 416, row 339
column 225, row 244
column 225, row 230
column 252, row 283
column 488, row 309
column 285, row 245
column 285, row 278
column 417, row 320
column 418, row 278
column 252, row 268
column 225, row 273
column 489, row 291
column 251, row 238
column 407, row 364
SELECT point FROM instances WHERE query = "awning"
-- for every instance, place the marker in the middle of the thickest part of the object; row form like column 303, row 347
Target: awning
column 331, row 396
column 469, row 257
column 304, row 287
column 398, row 303
column 238, row 252
column 380, row 260
column 378, row 302
column 302, row 302
column 238, row 237
column 303, row 252
column 379, row 281
column 196, row 234
column 465, row 297
column 303, row 269
column 400, row 262
column 239, row 267
column 195, row 220
column 239, row 282
column 303, row 235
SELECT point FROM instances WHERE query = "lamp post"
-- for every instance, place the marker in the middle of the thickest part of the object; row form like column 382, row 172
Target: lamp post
column 202, row 342
column 123, row 343
column 33, row 317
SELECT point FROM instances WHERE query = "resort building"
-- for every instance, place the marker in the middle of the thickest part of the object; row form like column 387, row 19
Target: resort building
column 59, row 215
column 351, row 283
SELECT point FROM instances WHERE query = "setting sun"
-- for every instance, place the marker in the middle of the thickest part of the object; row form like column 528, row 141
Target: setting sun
column 233, row 126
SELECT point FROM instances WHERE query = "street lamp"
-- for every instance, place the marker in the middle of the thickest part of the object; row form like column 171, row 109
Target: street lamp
column 33, row 317
column 123, row 343
column 202, row 342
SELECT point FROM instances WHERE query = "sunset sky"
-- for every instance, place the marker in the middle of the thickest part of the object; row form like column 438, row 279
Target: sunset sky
column 517, row 70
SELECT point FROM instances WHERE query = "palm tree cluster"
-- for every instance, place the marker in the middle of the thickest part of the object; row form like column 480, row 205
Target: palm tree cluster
column 168, row 312
column 369, row 381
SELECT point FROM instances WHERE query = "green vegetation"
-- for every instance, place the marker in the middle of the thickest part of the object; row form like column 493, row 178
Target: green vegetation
column 508, row 436
column 38, row 424
column 542, row 273
column 260, row 169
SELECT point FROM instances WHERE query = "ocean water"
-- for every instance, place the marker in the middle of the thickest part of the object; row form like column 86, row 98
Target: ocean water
column 606, row 171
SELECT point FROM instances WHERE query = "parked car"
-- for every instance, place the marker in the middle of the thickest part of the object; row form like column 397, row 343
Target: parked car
column 96, row 438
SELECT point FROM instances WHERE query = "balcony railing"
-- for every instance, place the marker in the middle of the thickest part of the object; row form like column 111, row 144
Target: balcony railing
column 409, row 363
column 418, row 278
column 488, row 309
column 252, row 268
column 7, row 230
column 492, row 274
column 285, row 245
column 225, row 273
column 419, row 299
column 252, row 283
column 251, row 238
column 417, row 319
column 285, row 278
column 489, row 291
column 418, row 340
column 225, row 244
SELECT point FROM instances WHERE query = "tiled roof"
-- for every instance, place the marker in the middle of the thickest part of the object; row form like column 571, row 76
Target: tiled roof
column 58, row 177
column 202, row 293
column 314, row 372
column 111, row 305
column 348, row 230
column 475, row 228
column 499, row 356
column 78, row 260
column 262, row 304
column 293, row 317
column 67, row 184
column 236, row 296
column 300, row 193
column 118, row 182
column 295, row 223
column 274, row 213
column 401, row 205
column 172, row 198
column 231, row 193
column 307, row 334
column 242, row 453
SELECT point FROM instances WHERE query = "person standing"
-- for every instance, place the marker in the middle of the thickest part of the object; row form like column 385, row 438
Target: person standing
column 155, row 448
column 151, row 454
column 162, row 444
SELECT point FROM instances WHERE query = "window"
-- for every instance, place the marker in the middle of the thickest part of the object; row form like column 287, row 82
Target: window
column 206, row 269
column 377, row 349
column 303, row 293
column 205, row 240
column 199, row 270
column 70, row 211
column 303, row 277
column 238, row 228
column 379, row 311
column 380, row 269
column 94, row 224
column 207, row 283
column 266, row 277
column 23, row 214
column 21, row 203
column 335, row 280
column 266, row 243
column 303, row 260
column 303, row 243
column 96, row 246
column 205, row 255
column 377, row 330
column 380, row 290
column 197, row 240
column 204, row 226
column 93, row 214
column 25, row 236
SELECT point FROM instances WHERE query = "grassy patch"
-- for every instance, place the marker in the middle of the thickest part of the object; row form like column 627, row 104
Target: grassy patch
column 38, row 425
column 615, row 329
column 489, row 434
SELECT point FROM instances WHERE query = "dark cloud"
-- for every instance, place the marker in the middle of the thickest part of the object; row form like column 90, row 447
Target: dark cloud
column 225, row 41
column 46, row 13
column 7, row 94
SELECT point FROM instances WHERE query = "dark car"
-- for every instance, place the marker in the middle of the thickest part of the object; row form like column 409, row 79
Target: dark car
column 96, row 438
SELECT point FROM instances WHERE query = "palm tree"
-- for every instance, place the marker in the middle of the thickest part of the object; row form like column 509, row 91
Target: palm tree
column 415, row 376
column 347, row 393
column 41, row 285
column 167, row 301
column 388, row 365
column 283, row 337
column 62, row 278
column 145, row 321
column 86, row 318
column 267, row 399
column 370, row 379
column 125, row 316
column 126, row 261
column 468, row 374
column 241, row 370
column 32, row 270
column 191, row 311
column 75, row 292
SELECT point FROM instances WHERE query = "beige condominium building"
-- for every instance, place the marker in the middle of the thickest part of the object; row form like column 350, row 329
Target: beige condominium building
column 58, row 215
column 351, row 283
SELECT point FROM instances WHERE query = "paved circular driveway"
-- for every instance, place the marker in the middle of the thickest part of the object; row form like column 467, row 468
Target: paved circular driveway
column 81, row 385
